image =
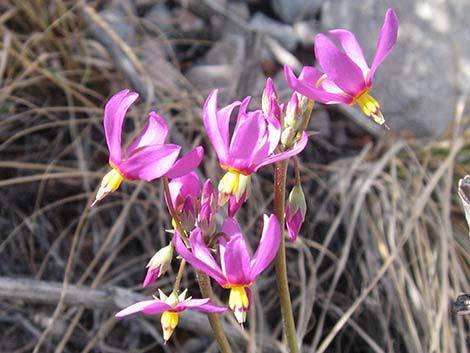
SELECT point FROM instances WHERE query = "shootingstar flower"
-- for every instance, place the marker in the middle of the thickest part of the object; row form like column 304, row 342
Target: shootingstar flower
column 170, row 306
column 147, row 157
column 237, row 270
column 252, row 145
column 346, row 77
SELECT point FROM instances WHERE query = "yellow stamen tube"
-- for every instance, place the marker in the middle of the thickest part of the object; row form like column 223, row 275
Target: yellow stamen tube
column 169, row 322
column 238, row 302
column 370, row 107
column 111, row 182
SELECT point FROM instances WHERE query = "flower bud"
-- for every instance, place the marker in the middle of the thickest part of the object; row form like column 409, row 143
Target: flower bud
column 296, row 209
column 208, row 208
column 158, row 264
column 270, row 102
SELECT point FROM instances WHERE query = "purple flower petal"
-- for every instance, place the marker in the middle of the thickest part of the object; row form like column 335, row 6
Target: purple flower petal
column 385, row 42
column 150, row 162
column 114, row 113
column 200, row 258
column 294, row 223
column 234, row 254
column 203, row 305
column 352, row 48
column 299, row 147
column 338, row 66
column 268, row 246
column 246, row 136
column 154, row 133
column 217, row 124
column 146, row 307
column 184, row 187
column 186, row 164
column 306, row 85
column 151, row 276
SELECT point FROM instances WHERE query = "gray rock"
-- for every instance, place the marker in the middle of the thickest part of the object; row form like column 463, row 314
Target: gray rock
column 417, row 85
column 119, row 18
column 293, row 10
column 285, row 34
column 161, row 17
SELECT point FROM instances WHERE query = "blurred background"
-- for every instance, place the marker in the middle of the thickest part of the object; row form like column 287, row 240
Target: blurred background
column 385, row 248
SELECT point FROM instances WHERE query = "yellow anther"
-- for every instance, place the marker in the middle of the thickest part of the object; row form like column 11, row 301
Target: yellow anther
column 111, row 182
column 169, row 321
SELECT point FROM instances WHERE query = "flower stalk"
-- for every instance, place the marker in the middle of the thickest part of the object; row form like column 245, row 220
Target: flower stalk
column 280, row 175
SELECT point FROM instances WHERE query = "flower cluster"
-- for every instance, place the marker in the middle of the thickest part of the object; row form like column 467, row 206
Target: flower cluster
column 255, row 139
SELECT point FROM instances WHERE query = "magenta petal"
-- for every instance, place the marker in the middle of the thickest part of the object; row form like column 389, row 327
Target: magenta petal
column 294, row 223
column 234, row 254
column 114, row 113
column 217, row 123
column 146, row 307
column 153, row 133
column 150, row 162
column 204, row 305
column 246, row 137
column 200, row 258
column 306, row 85
column 299, row 147
column 385, row 42
column 268, row 246
column 351, row 47
column 338, row 66
column 186, row 164
column 151, row 276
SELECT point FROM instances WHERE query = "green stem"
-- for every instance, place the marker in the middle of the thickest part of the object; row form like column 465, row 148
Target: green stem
column 280, row 175
column 214, row 319
column 202, row 278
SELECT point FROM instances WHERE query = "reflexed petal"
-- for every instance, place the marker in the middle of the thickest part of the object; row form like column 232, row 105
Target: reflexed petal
column 204, row 305
column 217, row 124
column 186, row 186
column 200, row 258
column 146, row 307
column 273, row 134
column 299, row 147
column 306, row 85
column 351, row 47
column 153, row 133
column 186, row 164
column 338, row 66
column 385, row 42
column 268, row 246
column 246, row 137
column 234, row 254
column 114, row 113
column 149, row 163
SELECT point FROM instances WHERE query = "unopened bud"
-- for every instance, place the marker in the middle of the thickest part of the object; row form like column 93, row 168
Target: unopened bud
column 296, row 209
column 159, row 264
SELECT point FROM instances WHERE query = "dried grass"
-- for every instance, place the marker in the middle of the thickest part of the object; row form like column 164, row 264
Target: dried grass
column 384, row 251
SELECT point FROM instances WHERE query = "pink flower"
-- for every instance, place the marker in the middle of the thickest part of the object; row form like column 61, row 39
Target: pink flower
column 237, row 269
column 170, row 306
column 346, row 77
column 147, row 157
column 252, row 145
